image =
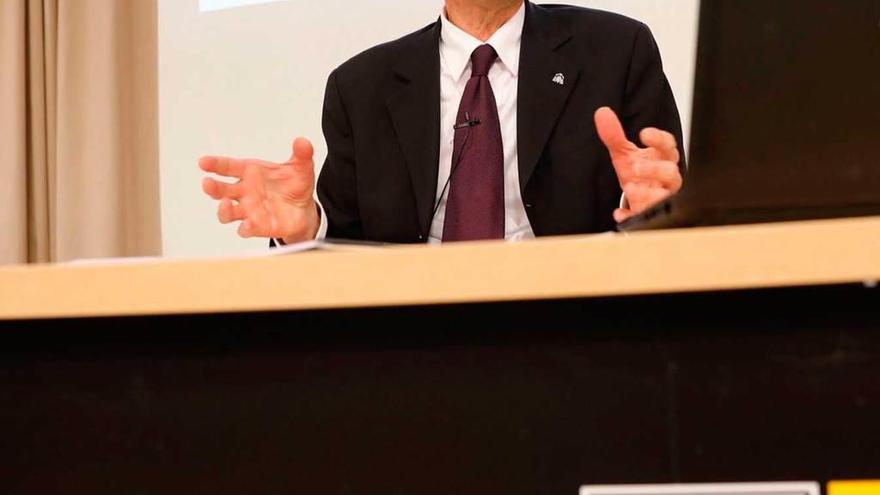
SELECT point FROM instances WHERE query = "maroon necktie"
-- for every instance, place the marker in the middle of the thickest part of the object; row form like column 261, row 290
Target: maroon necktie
column 475, row 206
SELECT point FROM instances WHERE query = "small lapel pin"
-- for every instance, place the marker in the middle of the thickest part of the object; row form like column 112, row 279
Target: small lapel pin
column 559, row 79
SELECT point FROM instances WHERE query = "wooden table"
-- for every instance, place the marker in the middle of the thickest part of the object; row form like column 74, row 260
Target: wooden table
column 713, row 259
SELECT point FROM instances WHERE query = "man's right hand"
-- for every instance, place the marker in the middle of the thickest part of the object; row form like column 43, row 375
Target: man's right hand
column 270, row 199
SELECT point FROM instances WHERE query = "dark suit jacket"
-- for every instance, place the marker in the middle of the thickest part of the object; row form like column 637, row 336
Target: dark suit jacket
column 381, row 122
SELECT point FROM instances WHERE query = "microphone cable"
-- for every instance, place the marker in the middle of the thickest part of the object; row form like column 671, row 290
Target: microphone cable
column 467, row 124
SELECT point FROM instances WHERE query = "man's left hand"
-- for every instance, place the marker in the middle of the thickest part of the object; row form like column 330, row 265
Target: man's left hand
column 647, row 175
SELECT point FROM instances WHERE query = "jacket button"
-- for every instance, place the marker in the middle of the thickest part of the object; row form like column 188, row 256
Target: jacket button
column 529, row 206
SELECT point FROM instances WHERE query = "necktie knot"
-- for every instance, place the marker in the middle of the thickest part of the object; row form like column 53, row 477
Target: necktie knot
column 482, row 59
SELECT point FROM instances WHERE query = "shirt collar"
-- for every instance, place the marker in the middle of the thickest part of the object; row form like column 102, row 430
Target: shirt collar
column 456, row 45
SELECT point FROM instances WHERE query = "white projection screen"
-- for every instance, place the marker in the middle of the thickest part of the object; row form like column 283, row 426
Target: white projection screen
column 244, row 77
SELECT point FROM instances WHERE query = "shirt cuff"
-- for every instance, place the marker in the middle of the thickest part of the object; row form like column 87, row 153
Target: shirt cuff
column 322, row 228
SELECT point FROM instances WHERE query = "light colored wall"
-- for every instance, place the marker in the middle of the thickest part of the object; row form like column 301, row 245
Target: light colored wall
column 246, row 81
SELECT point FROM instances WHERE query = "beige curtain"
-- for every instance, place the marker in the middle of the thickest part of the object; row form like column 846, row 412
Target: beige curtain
column 79, row 173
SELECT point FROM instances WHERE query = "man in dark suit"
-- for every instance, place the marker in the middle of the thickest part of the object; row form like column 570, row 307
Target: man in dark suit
column 494, row 122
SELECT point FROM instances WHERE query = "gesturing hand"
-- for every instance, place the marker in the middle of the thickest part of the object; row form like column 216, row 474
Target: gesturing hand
column 646, row 175
column 270, row 200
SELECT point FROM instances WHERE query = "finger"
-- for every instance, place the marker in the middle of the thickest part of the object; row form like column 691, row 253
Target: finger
column 229, row 212
column 220, row 190
column 662, row 141
column 622, row 214
column 246, row 229
column 611, row 132
column 665, row 173
column 301, row 160
column 258, row 222
column 302, row 150
column 229, row 167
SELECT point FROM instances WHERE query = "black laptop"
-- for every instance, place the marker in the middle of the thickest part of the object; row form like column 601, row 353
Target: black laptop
column 786, row 119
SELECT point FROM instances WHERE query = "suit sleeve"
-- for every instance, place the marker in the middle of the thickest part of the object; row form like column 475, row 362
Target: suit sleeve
column 337, row 183
column 648, row 99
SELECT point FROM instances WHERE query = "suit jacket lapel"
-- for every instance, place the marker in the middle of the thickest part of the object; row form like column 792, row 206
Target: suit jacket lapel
column 414, row 107
column 546, row 80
